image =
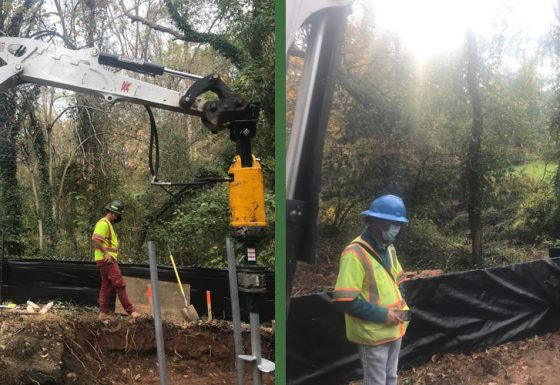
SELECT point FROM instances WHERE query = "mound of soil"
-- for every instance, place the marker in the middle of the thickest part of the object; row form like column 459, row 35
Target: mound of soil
column 70, row 346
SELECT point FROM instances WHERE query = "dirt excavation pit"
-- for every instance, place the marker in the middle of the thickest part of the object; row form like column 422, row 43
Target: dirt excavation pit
column 71, row 346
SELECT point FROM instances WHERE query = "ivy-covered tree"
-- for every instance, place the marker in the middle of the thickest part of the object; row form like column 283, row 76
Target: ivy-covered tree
column 11, row 118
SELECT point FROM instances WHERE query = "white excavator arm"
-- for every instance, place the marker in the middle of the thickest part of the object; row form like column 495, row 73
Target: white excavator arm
column 33, row 61
column 80, row 71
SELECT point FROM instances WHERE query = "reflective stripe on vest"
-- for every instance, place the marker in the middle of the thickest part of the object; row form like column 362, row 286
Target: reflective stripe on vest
column 109, row 239
column 369, row 290
column 110, row 233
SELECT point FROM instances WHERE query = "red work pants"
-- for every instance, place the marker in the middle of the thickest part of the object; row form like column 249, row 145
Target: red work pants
column 112, row 280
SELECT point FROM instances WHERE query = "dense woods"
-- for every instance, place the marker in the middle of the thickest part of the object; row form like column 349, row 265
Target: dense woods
column 64, row 156
column 468, row 137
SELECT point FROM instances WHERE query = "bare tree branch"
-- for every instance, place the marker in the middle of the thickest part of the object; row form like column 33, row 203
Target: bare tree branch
column 156, row 26
column 216, row 41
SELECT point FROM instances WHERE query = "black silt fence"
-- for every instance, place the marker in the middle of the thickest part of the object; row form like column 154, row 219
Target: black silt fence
column 464, row 312
column 79, row 282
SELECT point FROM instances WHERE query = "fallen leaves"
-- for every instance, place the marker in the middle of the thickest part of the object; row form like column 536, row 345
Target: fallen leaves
column 534, row 361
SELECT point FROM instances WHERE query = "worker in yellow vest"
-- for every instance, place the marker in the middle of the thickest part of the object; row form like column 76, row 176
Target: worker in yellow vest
column 368, row 290
column 106, row 252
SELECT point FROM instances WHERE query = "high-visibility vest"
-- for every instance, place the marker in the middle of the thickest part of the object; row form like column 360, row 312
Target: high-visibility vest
column 362, row 275
column 105, row 233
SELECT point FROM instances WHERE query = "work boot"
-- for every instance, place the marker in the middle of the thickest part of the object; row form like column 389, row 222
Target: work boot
column 104, row 317
column 135, row 314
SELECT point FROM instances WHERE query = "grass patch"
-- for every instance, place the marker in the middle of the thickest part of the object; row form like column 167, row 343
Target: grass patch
column 537, row 169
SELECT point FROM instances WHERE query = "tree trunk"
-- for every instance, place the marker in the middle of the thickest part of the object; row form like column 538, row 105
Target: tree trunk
column 45, row 201
column 9, row 187
column 474, row 162
column 37, row 209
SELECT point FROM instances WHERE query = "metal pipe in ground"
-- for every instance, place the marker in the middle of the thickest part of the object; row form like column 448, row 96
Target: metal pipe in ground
column 235, row 312
column 157, row 313
column 256, row 346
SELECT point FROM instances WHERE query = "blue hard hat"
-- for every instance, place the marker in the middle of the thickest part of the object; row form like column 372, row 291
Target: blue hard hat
column 388, row 207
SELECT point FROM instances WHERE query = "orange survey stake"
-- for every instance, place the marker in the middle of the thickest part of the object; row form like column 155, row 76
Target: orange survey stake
column 209, row 304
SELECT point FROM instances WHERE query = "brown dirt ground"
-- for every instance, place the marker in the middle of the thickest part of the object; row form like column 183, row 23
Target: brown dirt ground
column 314, row 278
column 534, row 361
column 70, row 346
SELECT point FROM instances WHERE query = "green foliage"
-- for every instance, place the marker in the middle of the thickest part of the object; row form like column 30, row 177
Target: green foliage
column 505, row 252
column 424, row 245
column 538, row 170
column 197, row 229
column 533, row 222
column 197, row 222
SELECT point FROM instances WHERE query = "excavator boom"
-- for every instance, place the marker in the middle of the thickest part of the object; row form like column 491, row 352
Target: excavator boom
column 34, row 61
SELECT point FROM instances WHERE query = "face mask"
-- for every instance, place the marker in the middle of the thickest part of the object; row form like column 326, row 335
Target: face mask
column 390, row 235
column 118, row 219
